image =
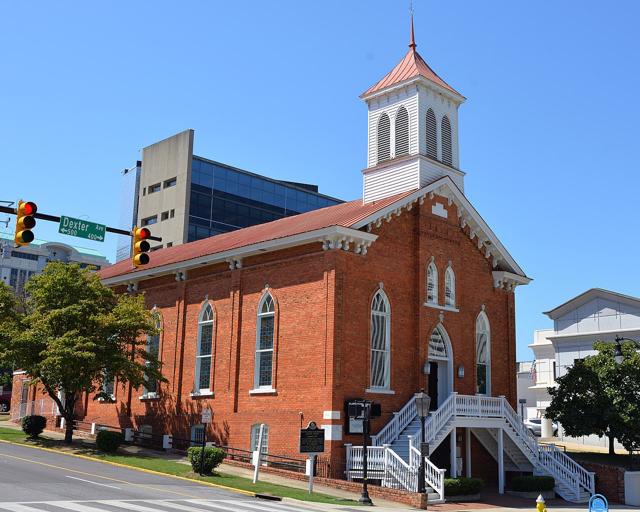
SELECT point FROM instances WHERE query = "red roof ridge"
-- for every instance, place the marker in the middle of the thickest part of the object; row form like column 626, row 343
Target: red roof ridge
column 344, row 214
column 412, row 65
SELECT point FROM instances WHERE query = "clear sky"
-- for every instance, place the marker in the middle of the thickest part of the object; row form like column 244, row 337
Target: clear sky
column 548, row 136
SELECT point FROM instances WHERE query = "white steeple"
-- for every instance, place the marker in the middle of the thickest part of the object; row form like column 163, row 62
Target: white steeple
column 413, row 129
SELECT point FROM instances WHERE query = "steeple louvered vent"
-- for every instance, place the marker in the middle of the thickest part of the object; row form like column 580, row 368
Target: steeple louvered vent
column 402, row 132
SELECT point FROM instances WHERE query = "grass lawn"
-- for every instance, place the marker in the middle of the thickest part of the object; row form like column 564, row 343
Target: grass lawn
column 175, row 468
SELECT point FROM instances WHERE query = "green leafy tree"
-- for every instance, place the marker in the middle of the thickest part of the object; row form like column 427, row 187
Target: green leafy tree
column 72, row 333
column 599, row 396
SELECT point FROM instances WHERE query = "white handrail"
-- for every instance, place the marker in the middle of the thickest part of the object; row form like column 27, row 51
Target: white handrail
column 390, row 432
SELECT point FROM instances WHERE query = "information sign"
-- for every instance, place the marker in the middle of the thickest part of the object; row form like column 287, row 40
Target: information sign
column 206, row 416
column 312, row 439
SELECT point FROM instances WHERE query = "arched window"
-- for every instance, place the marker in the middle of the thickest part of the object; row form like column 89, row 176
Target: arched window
column 384, row 138
column 445, row 131
column 204, row 349
column 432, row 283
column 483, row 355
column 263, row 376
column 380, row 341
column 432, row 136
column 437, row 346
column 153, row 349
column 402, row 132
column 449, row 288
column 255, row 437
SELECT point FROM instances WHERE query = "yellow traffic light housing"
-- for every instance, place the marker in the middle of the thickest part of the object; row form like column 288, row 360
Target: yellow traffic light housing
column 140, row 246
column 25, row 222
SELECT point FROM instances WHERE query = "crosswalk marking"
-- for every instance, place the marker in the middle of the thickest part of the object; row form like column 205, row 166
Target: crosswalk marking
column 138, row 505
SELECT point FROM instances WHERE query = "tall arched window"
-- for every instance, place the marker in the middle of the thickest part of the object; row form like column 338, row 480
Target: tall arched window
column 384, row 138
column 483, row 355
column 153, row 349
column 402, row 132
column 432, row 136
column 380, row 341
column 445, row 131
column 449, row 288
column 204, row 349
column 263, row 376
column 432, row 283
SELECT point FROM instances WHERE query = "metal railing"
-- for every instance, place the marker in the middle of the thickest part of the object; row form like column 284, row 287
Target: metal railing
column 40, row 407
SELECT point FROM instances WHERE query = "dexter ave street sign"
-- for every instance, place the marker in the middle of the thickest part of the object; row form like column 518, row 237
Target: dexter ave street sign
column 82, row 229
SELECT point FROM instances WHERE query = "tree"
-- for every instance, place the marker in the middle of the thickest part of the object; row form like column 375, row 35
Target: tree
column 599, row 396
column 72, row 333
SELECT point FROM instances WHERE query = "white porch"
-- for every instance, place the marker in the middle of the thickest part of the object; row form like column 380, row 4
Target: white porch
column 394, row 456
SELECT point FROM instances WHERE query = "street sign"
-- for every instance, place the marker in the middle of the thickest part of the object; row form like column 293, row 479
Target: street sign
column 206, row 416
column 82, row 228
column 312, row 439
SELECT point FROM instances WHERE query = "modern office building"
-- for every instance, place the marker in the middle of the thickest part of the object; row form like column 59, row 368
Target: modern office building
column 184, row 197
column 18, row 264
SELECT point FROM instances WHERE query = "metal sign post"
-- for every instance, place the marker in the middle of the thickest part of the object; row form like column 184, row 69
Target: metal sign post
column 311, row 443
column 206, row 419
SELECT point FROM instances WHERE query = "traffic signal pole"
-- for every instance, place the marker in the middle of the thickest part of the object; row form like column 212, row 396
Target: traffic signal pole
column 54, row 218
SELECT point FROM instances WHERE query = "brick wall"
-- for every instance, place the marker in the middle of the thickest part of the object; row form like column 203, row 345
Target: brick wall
column 609, row 480
column 322, row 333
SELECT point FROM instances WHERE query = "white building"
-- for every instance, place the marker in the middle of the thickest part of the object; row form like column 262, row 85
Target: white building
column 595, row 315
column 17, row 264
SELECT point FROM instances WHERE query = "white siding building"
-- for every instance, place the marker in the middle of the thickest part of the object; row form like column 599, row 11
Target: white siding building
column 595, row 315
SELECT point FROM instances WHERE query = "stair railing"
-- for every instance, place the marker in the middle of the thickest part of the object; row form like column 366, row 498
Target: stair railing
column 399, row 474
column 433, row 475
column 391, row 431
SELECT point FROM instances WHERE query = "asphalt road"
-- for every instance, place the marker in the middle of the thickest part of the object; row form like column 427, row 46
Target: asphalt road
column 35, row 480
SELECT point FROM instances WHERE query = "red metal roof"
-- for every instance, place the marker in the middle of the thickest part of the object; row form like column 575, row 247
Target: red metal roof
column 344, row 214
column 412, row 65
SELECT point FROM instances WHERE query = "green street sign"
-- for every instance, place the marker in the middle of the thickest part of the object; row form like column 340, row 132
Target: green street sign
column 82, row 229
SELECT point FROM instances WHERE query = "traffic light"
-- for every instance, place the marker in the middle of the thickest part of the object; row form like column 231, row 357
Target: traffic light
column 25, row 222
column 141, row 246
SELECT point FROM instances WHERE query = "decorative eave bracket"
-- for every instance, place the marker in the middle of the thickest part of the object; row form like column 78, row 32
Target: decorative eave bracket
column 508, row 280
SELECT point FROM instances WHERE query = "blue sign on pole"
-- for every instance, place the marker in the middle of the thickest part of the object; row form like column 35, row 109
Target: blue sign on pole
column 598, row 503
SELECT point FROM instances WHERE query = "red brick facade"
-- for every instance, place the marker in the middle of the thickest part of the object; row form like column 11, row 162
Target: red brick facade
column 321, row 334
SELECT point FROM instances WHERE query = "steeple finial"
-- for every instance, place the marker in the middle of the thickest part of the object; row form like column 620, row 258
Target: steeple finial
column 412, row 42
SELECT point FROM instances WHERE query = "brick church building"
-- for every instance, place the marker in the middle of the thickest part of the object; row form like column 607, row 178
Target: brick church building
column 282, row 323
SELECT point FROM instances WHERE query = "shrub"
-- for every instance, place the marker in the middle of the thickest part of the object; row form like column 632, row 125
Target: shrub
column 108, row 441
column 533, row 483
column 212, row 458
column 462, row 486
column 33, row 425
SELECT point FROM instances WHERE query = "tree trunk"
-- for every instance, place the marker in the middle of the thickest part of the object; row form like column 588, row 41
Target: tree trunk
column 68, row 429
column 612, row 448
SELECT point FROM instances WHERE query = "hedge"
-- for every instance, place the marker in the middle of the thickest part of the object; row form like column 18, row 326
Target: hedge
column 533, row 483
column 33, row 425
column 462, row 486
column 212, row 458
column 108, row 441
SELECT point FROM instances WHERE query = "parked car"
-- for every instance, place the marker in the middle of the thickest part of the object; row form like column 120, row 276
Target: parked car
column 535, row 426
column 5, row 398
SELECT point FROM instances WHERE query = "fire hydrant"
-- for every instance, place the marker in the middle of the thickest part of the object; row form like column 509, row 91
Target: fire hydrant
column 540, row 505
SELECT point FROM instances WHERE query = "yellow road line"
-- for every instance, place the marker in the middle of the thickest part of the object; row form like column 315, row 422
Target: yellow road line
column 118, row 464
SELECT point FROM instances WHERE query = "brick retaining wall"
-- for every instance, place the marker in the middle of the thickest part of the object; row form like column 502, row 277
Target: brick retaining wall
column 609, row 480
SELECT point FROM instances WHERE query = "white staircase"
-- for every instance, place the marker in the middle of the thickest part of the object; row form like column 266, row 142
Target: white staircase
column 394, row 457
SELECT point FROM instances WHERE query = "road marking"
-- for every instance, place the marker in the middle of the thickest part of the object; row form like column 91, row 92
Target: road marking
column 16, row 507
column 184, row 508
column 255, row 506
column 132, row 468
column 90, row 482
column 129, row 506
column 94, row 475
column 78, row 507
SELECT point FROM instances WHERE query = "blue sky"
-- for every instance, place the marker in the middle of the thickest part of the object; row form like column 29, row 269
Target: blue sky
column 548, row 135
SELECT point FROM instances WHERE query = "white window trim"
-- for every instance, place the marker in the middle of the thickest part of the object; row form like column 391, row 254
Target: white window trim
column 441, row 308
column 483, row 315
column 380, row 391
column 387, row 341
column 263, row 391
column 432, row 265
column 197, row 391
column 449, row 273
column 158, row 321
column 268, row 388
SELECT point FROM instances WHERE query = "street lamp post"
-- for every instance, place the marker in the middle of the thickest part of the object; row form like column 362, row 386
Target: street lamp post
column 423, row 401
column 617, row 354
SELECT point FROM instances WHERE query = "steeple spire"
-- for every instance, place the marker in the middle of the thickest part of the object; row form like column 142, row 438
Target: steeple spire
column 412, row 43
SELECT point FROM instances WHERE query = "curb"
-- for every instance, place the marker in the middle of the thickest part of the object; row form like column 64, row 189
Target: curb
column 143, row 470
